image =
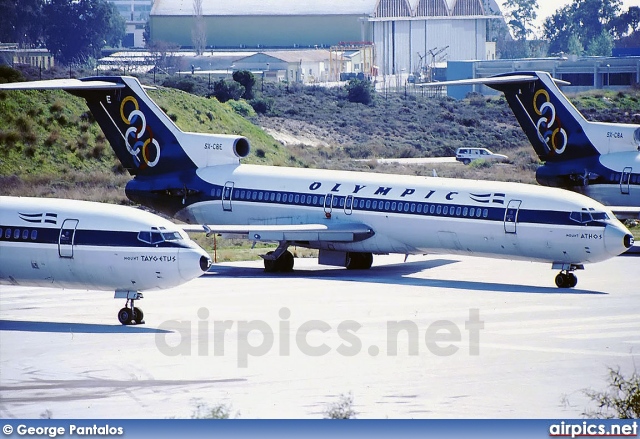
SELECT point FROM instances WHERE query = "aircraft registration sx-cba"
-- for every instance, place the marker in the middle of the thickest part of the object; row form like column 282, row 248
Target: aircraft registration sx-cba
column 348, row 216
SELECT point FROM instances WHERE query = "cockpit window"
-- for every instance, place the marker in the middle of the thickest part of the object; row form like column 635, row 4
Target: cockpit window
column 586, row 216
column 600, row 216
column 151, row 237
column 581, row 217
column 171, row 236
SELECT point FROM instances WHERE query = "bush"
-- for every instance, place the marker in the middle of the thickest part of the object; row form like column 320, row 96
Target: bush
column 341, row 409
column 261, row 105
column 7, row 74
column 224, row 91
column 620, row 401
column 242, row 108
column 360, row 91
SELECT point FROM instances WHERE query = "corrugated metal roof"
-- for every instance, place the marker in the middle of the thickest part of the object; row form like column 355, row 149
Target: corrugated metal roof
column 264, row 7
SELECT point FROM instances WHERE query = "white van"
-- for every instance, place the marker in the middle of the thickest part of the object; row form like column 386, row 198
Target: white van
column 467, row 155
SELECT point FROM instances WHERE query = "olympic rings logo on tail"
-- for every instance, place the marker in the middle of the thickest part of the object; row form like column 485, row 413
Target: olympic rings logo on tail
column 555, row 138
column 145, row 149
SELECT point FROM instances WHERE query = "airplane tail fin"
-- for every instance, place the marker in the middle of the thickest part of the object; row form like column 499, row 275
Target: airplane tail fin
column 553, row 125
column 144, row 138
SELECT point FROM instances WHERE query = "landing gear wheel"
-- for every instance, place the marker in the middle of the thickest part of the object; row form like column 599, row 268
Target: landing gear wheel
column 283, row 264
column 286, row 262
column 566, row 280
column 125, row 316
column 138, row 316
column 270, row 265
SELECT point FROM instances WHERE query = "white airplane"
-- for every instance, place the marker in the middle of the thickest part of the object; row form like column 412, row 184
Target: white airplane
column 348, row 216
column 49, row 242
column 600, row 160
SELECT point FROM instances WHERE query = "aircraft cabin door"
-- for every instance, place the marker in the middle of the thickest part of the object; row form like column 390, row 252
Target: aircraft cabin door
column 328, row 203
column 511, row 216
column 227, row 195
column 625, row 180
column 348, row 205
column 67, row 237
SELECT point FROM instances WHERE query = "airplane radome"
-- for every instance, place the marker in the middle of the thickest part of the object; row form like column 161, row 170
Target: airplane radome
column 49, row 242
column 348, row 216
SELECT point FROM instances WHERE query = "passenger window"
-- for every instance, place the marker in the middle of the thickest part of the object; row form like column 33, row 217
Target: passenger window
column 432, row 209
column 374, row 205
column 413, row 207
column 393, row 206
column 387, row 204
column 278, row 197
column 296, row 199
column 406, row 207
column 16, row 234
column 34, row 234
column 1, row 233
column 472, row 211
column 445, row 210
column 485, row 213
column 290, row 198
column 25, row 234
column 7, row 234
column 465, row 211
column 439, row 209
column 458, row 210
column 368, row 204
column 260, row 196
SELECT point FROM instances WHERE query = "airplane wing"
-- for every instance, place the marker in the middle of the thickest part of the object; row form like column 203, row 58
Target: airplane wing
column 61, row 84
column 625, row 212
column 349, row 232
column 492, row 80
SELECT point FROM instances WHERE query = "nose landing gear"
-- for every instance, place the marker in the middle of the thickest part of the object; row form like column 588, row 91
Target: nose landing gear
column 566, row 278
column 130, row 314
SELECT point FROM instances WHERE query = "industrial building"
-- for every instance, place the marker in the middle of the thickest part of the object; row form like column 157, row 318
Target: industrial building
column 404, row 33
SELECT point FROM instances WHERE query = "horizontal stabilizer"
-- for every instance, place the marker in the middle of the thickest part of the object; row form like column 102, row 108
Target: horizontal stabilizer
column 61, row 84
column 492, row 80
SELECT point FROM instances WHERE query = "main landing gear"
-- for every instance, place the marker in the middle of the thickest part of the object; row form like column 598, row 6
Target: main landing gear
column 130, row 314
column 566, row 278
column 359, row 261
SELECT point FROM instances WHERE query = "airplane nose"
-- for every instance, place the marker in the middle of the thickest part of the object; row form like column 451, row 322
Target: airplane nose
column 193, row 262
column 617, row 239
column 205, row 263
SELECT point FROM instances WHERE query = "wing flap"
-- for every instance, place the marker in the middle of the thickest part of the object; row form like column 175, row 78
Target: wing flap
column 349, row 232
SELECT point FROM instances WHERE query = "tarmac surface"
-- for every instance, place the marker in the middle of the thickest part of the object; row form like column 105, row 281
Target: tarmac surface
column 433, row 337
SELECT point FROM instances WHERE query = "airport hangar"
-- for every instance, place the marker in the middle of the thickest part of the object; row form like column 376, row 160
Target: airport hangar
column 402, row 31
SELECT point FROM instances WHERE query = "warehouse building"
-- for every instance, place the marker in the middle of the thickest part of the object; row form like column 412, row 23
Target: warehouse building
column 405, row 33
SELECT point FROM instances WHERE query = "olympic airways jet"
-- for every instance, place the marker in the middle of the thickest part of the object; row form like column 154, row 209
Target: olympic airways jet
column 348, row 216
column 601, row 160
column 48, row 242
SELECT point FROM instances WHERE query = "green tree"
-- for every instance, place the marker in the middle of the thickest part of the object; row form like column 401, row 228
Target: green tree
column 76, row 30
column 586, row 19
column 521, row 15
column 21, row 23
column 247, row 80
column 574, row 46
column 601, row 45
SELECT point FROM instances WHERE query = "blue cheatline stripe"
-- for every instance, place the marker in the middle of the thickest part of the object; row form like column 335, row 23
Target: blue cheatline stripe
column 417, row 208
column 96, row 238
